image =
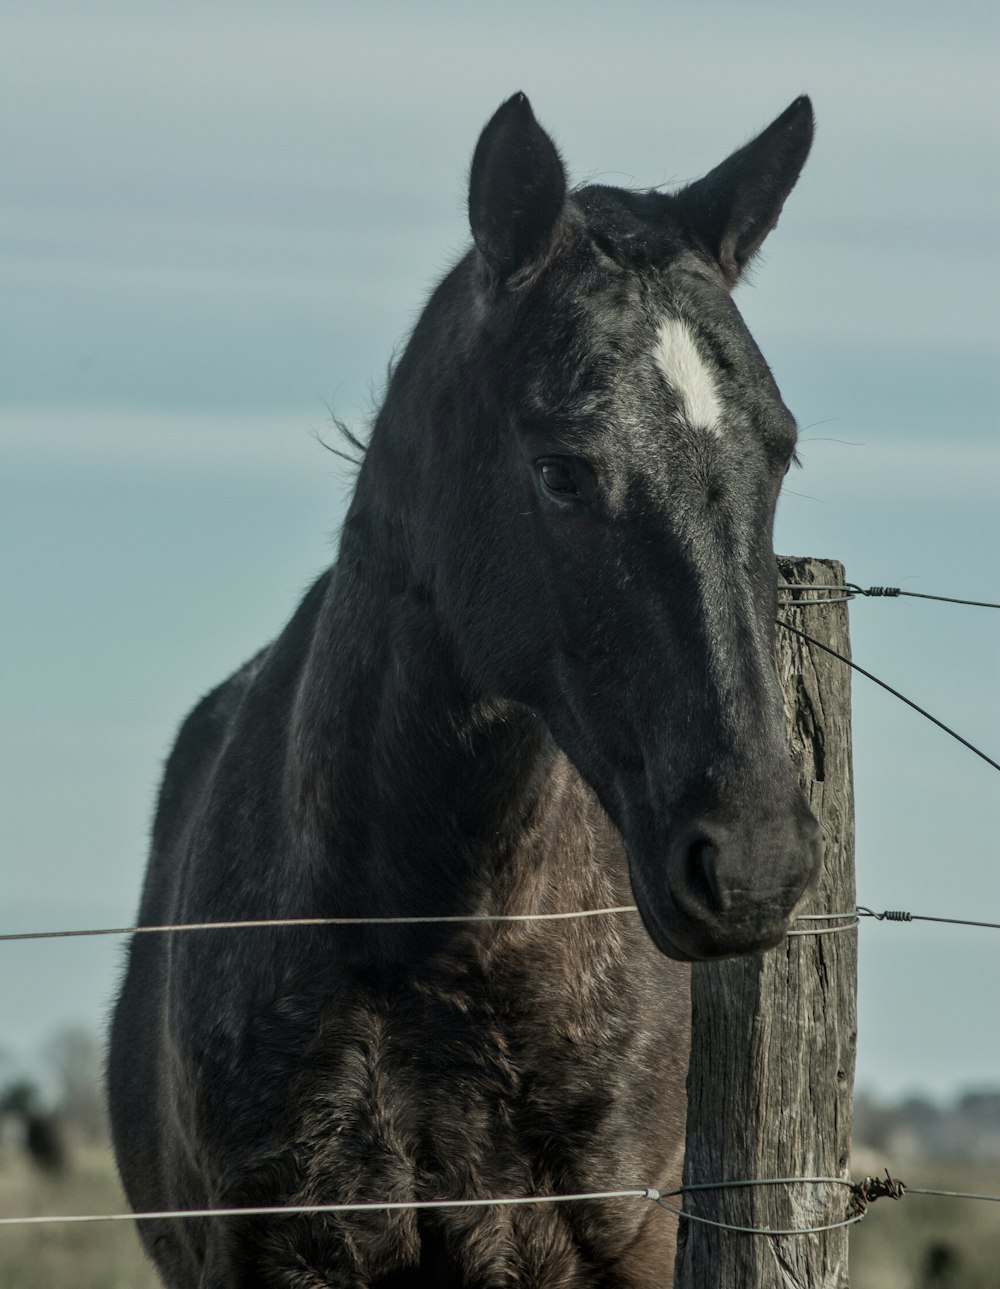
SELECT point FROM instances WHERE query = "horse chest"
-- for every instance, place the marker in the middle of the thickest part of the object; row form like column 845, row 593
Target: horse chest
column 448, row 1088
column 449, row 1095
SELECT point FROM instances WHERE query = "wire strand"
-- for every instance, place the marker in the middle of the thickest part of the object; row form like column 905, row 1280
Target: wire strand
column 900, row 915
column 850, row 921
column 758, row 1230
column 895, row 692
column 252, row 923
column 289, row 1210
column 849, row 590
column 849, row 925
column 863, row 1194
column 943, row 599
column 923, row 1190
column 823, row 599
column 691, row 1187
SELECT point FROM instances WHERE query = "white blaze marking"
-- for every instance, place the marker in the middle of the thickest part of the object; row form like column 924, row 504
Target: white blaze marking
column 687, row 374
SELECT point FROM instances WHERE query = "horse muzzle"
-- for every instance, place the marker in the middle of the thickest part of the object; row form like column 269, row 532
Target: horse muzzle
column 720, row 888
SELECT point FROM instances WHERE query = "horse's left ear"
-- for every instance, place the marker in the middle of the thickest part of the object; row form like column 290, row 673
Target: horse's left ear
column 517, row 190
column 733, row 208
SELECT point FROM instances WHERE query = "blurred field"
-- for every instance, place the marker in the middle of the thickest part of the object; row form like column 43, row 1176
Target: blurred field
column 103, row 1255
column 889, row 1249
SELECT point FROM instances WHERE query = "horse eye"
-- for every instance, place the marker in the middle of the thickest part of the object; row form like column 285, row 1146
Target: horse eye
column 558, row 477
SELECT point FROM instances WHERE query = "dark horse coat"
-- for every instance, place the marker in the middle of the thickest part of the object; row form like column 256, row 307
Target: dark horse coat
column 537, row 679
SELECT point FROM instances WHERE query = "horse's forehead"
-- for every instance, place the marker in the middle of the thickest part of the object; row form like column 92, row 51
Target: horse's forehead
column 654, row 341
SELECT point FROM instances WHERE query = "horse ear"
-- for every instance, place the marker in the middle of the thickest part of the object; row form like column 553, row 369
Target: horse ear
column 733, row 208
column 517, row 189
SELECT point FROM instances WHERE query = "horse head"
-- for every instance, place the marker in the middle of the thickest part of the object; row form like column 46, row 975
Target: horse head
column 590, row 510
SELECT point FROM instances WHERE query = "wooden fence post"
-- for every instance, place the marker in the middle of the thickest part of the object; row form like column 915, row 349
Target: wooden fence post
column 771, row 1077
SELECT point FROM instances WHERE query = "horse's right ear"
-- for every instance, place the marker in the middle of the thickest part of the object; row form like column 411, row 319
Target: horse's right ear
column 517, row 190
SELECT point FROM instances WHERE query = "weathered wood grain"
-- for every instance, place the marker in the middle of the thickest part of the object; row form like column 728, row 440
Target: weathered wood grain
column 772, row 1054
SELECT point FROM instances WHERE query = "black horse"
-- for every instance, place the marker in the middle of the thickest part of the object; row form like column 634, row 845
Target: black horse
column 538, row 678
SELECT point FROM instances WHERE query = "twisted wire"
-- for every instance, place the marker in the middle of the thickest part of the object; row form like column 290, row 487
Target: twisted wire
column 849, row 590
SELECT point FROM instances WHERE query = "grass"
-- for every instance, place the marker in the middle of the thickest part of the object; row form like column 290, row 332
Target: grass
column 100, row 1255
column 889, row 1249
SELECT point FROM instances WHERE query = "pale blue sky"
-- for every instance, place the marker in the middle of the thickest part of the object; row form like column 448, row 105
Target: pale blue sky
column 218, row 218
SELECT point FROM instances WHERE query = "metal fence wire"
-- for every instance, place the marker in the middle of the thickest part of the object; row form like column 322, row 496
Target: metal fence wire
column 861, row 1194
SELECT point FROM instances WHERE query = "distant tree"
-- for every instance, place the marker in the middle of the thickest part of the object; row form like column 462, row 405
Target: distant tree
column 42, row 1135
column 19, row 1098
column 942, row 1268
column 45, row 1143
column 75, row 1057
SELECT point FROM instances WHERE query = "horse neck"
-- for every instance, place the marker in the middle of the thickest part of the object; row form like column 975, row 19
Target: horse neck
column 420, row 796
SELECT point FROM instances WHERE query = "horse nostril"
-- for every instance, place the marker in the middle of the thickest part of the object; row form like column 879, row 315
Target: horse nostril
column 703, row 873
